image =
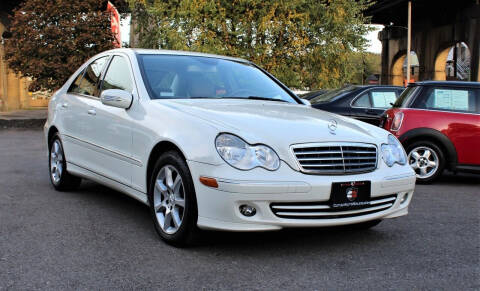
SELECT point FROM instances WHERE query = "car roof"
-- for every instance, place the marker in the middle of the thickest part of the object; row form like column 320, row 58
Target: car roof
column 446, row 83
column 377, row 86
column 177, row 53
column 356, row 87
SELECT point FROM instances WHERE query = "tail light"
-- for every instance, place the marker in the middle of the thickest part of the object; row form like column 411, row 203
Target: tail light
column 397, row 121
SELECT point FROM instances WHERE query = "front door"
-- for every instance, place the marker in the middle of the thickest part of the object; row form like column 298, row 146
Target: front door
column 112, row 130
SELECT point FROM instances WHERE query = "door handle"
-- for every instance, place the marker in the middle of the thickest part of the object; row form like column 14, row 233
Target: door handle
column 371, row 112
column 64, row 105
column 92, row 112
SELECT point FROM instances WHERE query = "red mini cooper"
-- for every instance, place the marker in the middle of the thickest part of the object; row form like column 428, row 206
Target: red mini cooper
column 438, row 124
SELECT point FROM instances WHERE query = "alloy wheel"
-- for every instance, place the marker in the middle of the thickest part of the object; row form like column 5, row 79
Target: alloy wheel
column 56, row 161
column 424, row 161
column 169, row 199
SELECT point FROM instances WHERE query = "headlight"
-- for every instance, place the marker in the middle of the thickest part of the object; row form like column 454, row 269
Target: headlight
column 393, row 152
column 239, row 154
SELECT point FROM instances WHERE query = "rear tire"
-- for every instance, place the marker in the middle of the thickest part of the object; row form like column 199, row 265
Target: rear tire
column 57, row 165
column 172, row 200
column 427, row 160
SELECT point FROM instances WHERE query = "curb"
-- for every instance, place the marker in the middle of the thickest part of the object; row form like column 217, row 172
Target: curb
column 37, row 123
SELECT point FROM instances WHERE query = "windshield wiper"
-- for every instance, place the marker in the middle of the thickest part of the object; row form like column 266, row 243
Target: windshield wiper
column 235, row 97
column 256, row 98
column 266, row 98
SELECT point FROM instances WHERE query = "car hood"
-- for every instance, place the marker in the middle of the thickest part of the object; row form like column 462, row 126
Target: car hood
column 276, row 124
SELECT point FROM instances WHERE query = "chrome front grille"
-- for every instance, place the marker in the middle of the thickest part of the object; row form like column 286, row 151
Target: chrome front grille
column 323, row 210
column 336, row 158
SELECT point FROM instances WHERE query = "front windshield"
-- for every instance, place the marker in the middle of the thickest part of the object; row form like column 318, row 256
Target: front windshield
column 181, row 77
column 332, row 94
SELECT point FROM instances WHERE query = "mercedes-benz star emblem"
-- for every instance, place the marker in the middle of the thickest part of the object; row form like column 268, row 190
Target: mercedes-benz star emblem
column 332, row 126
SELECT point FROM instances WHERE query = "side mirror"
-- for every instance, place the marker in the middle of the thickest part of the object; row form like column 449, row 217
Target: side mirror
column 306, row 102
column 116, row 98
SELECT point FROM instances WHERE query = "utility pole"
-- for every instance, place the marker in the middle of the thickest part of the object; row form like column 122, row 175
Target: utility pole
column 409, row 40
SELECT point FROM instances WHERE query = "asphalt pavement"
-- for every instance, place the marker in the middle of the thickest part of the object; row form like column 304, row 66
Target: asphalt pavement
column 97, row 238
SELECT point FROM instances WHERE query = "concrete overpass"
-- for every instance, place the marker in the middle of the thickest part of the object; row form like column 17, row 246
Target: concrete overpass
column 437, row 28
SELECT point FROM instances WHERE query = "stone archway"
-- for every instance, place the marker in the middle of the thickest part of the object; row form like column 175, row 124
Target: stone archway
column 397, row 70
column 399, row 73
column 451, row 65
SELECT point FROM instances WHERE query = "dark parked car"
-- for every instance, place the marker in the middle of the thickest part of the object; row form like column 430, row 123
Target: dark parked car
column 366, row 103
column 438, row 124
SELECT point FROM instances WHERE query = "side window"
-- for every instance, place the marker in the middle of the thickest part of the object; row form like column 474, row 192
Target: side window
column 74, row 87
column 89, row 83
column 449, row 99
column 383, row 99
column 118, row 75
column 363, row 101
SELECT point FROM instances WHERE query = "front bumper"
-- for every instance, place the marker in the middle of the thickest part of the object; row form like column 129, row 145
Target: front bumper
column 218, row 208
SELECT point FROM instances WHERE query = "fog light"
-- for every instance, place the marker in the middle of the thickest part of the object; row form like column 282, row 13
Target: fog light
column 404, row 198
column 247, row 210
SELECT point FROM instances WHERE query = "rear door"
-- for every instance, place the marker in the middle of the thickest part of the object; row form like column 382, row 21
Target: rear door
column 75, row 118
column 370, row 105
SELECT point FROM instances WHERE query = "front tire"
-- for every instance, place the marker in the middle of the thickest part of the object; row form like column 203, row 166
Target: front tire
column 59, row 177
column 172, row 200
column 427, row 160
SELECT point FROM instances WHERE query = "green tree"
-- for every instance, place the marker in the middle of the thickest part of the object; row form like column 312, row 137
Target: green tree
column 52, row 38
column 366, row 64
column 305, row 43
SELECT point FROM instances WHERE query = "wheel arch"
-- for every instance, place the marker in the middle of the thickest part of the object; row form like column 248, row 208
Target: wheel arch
column 435, row 136
column 51, row 132
column 160, row 148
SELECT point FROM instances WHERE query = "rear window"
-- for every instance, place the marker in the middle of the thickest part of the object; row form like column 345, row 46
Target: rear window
column 86, row 82
column 383, row 99
column 449, row 99
column 333, row 94
column 75, row 87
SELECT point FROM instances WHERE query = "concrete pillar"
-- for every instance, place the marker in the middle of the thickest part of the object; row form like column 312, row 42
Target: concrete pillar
column 477, row 63
column 3, row 75
column 3, row 81
column 384, row 75
column 24, row 97
column 475, row 56
column 13, row 91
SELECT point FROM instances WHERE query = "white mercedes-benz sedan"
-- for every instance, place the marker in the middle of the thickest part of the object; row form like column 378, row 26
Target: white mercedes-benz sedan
column 213, row 142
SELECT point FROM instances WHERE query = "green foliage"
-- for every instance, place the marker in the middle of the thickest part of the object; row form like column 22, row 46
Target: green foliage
column 304, row 43
column 52, row 38
column 366, row 64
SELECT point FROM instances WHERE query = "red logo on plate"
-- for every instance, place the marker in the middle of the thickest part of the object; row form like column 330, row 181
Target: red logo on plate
column 352, row 193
